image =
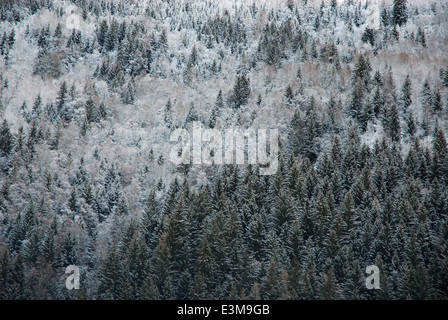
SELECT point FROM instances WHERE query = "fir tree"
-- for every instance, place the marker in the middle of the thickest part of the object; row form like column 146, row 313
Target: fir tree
column 420, row 37
column 405, row 97
column 241, row 92
column 399, row 12
column 167, row 114
column 436, row 101
column 6, row 139
column 110, row 276
column 62, row 97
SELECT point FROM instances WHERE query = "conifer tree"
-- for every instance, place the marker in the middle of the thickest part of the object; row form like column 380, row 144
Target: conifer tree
column 241, row 92
column 329, row 289
column 399, row 12
column 110, row 276
column 405, row 97
column 62, row 97
column 436, row 101
column 167, row 115
column 6, row 139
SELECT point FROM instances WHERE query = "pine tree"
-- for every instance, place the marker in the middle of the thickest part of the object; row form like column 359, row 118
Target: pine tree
column 69, row 251
column 394, row 127
column 399, row 12
column 6, row 139
column 377, row 102
column 405, row 97
column 110, row 276
column 111, row 37
column 385, row 17
column 137, row 264
column 241, row 92
column 128, row 94
column 102, row 32
column 289, row 94
column 15, row 288
column 436, row 101
column 192, row 115
column 362, row 71
column 167, row 114
column 62, row 97
column 32, row 248
column 91, row 114
column 425, row 93
column 357, row 103
column 199, row 290
column 420, row 37
column 411, row 126
column 270, row 289
column 149, row 290
column 151, row 222
column 161, row 269
column 444, row 76
column 163, row 41
column 329, row 289
column 440, row 150
column 213, row 118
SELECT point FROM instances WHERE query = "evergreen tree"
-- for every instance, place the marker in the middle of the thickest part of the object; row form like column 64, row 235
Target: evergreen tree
column 6, row 139
column 167, row 114
column 149, row 290
column 377, row 102
column 289, row 94
column 411, row 126
column 137, row 264
column 161, row 269
column 362, row 71
column 270, row 289
column 405, row 97
column 102, row 32
column 356, row 103
column 420, row 37
column 62, row 97
column 110, row 276
column 399, row 12
column 436, row 101
column 111, row 37
column 192, row 115
column 91, row 114
column 69, row 251
column 329, row 289
column 241, row 92
column 393, row 126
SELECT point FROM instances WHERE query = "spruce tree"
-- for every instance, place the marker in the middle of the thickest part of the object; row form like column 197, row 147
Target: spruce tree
column 167, row 114
column 357, row 103
column 436, row 101
column 329, row 289
column 399, row 12
column 62, row 97
column 110, row 276
column 102, row 32
column 241, row 92
column 6, row 139
column 91, row 114
column 405, row 97
column 420, row 37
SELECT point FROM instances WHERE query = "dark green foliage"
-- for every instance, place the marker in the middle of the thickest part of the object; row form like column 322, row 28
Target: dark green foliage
column 362, row 177
column 241, row 92
column 6, row 139
column 406, row 92
column 399, row 12
column 368, row 36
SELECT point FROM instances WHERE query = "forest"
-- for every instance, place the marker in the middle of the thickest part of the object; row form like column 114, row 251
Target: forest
column 90, row 92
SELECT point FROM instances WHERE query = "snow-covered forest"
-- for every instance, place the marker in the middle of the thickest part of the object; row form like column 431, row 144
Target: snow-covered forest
column 90, row 92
